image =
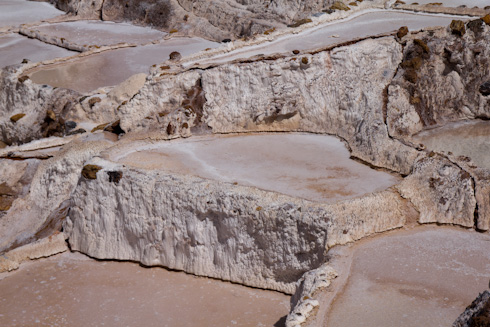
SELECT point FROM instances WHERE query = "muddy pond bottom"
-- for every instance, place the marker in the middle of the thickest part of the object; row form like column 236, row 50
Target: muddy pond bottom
column 470, row 139
column 423, row 277
column 73, row 290
column 313, row 167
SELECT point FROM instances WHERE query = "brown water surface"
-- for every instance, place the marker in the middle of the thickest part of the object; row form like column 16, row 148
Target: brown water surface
column 73, row 290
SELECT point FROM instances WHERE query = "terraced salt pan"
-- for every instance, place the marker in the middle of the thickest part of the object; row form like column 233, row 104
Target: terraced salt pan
column 14, row 48
column 101, row 33
column 423, row 277
column 113, row 67
column 314, row 167
column 454, row 3
column 470, row 139
column 16, row 12
column 357, row 26
column 72, row 290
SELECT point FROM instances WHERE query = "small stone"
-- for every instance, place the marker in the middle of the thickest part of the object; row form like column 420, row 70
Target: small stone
column 457, row 27
column 296, row 52
column 486, row 19
column 90, row 171
column 226, row 41
column 175, row 56
column 16, row 118
column 476, row 26
column 93, row 101
column 422, row 44
column 22, row 79
column 70, row 124
column 50, row 115
column 485, row 88
column 77, row 131
column 339, row 5
column 115, row 176
column 402, row 31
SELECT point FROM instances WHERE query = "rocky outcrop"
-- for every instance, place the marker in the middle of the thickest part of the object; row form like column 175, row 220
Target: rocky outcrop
column 477, row 313
column 441, row 192
column 217, row 229
column 440, row 80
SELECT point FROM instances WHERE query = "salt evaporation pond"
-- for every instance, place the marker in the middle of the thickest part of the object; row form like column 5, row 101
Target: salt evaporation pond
column 423, row 277
column 470, row 139
column 73, row 290
column 313, row 167
column 454, row 3
column 14, row 48
column 357, row 26
column 16, row 12
column 115, row 66
column 100, row 33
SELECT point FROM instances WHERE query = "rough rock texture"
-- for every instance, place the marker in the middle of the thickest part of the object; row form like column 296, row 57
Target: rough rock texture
column 216, row 229
column 477, row 314
column 22, row 96
column 441, row 192
column 440, row 80
column 40, row 212
column 338, row 92
column 40, row 249
column 303, row 301
column 213, row 19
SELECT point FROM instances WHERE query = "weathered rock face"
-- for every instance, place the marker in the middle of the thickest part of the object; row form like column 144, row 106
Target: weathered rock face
column 477, row 313
column 442, row 79
column 41, row 210
column 31, row 103
column 441, row 192
column 216, row 229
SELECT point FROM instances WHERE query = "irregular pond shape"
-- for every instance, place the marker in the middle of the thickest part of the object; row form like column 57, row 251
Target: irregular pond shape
column 423, row 277
column 470, row 139
column 113, row 67
column 314, row 167
column 73, row 290
column 14, row 48
column 95, row 32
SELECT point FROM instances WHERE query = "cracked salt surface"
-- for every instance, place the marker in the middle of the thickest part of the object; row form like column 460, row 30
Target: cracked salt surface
column 422, row 277
column 470, row 139
column 314, row 167
column 14, row 48
column 73, row 290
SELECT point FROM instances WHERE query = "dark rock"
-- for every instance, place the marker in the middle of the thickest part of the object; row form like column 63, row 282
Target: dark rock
column 402, row 32
column 22, row 79
column 90, row 171
column 115, row 128
column 175, row 56
column 476, row 26
column 423, row 45
column 77, row 131
column 93, row 101
column 485, row 88
column 457, row 27
column 226, row 41
column 339, row 5
column 477, row 314
column 296, row 52
column 115, row 176
column 16, row 118
column 70, row 124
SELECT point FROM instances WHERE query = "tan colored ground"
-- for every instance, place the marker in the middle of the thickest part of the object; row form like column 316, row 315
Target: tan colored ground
column 422, row 277
column 73, row 290
column 314, row 167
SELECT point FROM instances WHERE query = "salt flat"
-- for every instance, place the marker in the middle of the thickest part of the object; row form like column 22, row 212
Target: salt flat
column 314, row 167
column 16, row 12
